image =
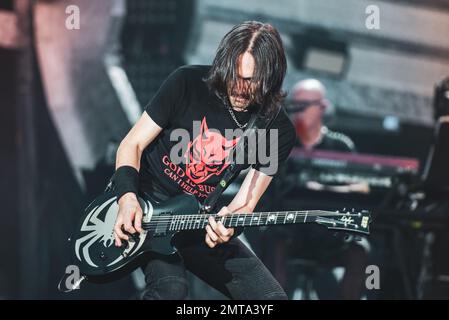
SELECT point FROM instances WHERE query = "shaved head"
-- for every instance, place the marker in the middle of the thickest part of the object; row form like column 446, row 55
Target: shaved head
column 309, row 85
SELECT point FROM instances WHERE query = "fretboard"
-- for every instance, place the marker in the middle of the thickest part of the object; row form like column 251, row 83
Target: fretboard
column 200, row 221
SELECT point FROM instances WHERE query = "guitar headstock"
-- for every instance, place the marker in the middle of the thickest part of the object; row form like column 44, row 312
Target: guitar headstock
column 346, row 220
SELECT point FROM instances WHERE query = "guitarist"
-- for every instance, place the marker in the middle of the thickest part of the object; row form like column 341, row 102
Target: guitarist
column 246, row 77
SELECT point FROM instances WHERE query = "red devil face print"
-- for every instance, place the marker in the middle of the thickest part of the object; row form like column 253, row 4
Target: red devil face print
column 206, row 155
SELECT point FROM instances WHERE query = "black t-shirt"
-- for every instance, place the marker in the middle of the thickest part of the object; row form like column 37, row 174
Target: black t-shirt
column 185, row 102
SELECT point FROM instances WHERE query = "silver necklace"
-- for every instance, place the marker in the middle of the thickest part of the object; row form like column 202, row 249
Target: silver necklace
column 231, row 112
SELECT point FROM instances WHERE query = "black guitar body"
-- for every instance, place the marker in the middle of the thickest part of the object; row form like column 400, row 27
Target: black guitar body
column 93, row 243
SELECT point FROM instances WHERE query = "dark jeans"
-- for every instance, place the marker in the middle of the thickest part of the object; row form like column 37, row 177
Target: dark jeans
column 231, row 268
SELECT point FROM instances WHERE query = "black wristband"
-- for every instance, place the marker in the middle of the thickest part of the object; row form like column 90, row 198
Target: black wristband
column 125, row 179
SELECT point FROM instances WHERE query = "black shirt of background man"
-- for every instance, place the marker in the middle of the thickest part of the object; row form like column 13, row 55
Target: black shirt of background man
column 333, row 141
column 182, row 99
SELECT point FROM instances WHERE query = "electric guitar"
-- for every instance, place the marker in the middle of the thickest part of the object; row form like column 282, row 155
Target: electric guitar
column 99, row 260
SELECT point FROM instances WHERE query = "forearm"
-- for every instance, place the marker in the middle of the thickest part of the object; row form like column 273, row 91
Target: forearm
column 128, row 154
column 237, row 207
column 250, row 192
column 126, row 177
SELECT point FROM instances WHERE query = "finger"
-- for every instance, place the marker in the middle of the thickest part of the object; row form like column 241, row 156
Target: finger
column 138, row 221
column 209, row 242
column 224, row 232
column 119, row 233
column 128, row 226
column 213, row 223
column 211, row 234
column 118, row 243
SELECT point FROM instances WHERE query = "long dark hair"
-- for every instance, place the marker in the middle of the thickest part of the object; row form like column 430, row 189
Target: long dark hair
column 264, row 43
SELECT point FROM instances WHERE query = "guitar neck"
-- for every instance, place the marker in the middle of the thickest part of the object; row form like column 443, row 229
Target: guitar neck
column 200, row 221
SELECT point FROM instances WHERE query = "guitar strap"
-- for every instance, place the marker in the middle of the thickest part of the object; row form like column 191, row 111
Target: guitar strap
column 256, row 122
